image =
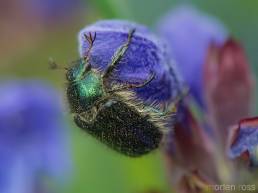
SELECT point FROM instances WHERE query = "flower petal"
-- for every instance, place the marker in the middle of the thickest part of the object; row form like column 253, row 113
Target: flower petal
column 244, row 141
column 189, row 34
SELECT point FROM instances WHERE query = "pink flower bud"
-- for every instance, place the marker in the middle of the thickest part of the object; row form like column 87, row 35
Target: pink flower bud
column 228, row 85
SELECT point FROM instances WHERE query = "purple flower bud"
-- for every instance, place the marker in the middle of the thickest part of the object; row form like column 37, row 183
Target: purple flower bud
column 244, row 141
column 33, row 141
column 228, row 86
column 145, row 55
column 189, row 34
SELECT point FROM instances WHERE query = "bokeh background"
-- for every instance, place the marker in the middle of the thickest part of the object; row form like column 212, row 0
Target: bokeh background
column 34, row 30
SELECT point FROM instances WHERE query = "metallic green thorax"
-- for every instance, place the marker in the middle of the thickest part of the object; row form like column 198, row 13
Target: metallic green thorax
column 84, row 88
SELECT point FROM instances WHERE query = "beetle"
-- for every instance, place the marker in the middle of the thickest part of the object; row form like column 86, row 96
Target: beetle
column 111, row 112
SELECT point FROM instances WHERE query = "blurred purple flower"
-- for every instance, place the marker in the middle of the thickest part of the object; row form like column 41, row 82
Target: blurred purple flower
column 189, row 34
column 33, row 142
column 53, row 11
column 243, row 141
column 146, row 54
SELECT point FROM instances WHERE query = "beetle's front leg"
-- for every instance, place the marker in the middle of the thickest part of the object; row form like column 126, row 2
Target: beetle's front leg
column 127, row 86
column 88, row 116
column 81, row 122
column 87, row 120
column 117, row 56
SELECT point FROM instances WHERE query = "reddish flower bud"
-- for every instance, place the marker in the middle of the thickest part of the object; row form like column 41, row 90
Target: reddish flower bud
column 228, row 85
column 186, row 149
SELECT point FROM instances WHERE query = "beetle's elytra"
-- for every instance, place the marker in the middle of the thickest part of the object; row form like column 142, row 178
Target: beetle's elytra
column 123, row 128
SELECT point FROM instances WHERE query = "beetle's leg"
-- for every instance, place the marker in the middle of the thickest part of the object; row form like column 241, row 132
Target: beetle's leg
column 173, row 107
column 89, row 116
column 54, row 66
column 81, row 122
column 127, row 86
column 117, row 56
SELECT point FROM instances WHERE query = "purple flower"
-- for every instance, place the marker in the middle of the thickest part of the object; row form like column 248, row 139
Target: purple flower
column 244, row 141
column 145, row 55
column 189, row 34
column 33, row 142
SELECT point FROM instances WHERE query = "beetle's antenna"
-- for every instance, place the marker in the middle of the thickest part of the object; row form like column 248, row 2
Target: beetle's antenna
column 54, row 66
column 91, row 37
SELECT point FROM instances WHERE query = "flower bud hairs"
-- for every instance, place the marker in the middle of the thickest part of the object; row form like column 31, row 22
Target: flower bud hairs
column 110, row 111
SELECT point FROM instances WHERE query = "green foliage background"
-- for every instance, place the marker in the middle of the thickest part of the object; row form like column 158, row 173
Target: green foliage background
column 96, row 168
